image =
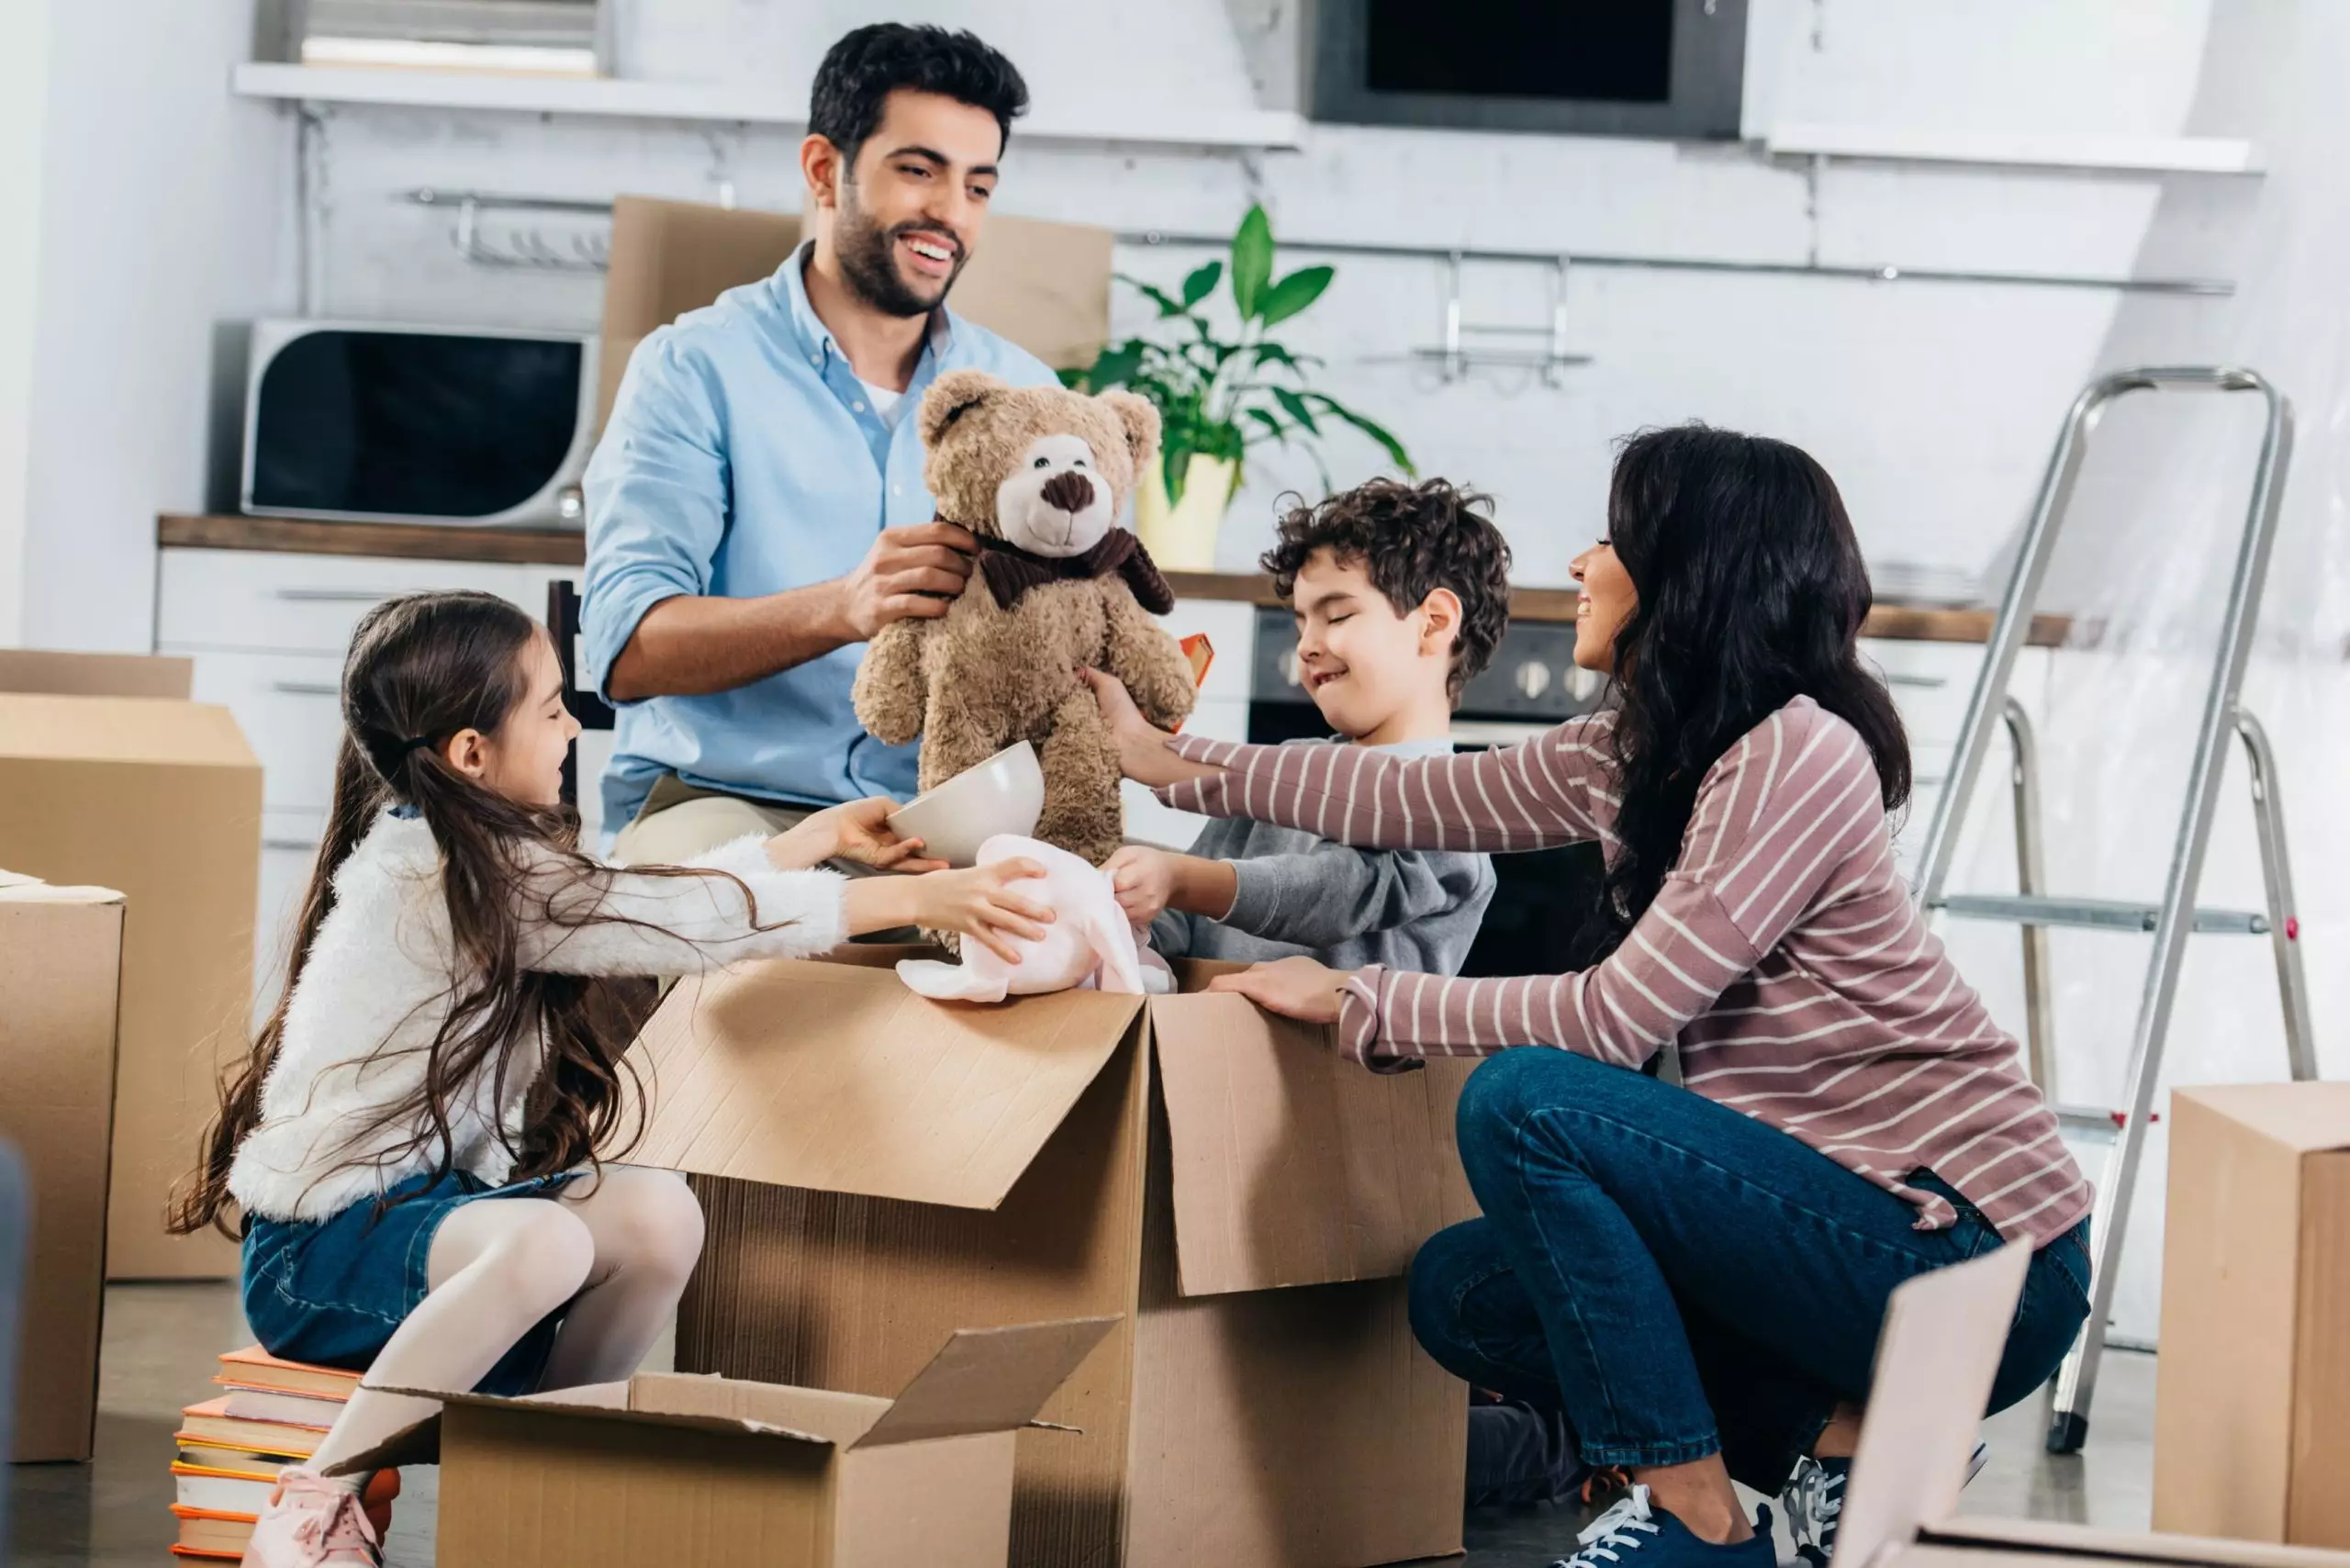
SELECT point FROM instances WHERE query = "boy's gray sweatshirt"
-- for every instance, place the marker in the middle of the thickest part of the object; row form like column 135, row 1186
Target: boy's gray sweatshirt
column 1407, row 909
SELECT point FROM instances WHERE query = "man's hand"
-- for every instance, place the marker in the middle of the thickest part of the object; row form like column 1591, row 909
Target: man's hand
column 1294, row 988
column 909, row 574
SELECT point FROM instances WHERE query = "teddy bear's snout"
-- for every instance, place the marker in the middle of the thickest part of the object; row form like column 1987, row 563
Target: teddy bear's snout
column 1068, row 491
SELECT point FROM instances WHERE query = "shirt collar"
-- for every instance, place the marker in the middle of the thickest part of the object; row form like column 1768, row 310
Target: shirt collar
column 816, row 339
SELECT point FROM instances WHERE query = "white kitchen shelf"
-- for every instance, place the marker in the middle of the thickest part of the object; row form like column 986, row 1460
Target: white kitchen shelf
column 609, row 98
column 2128, row 154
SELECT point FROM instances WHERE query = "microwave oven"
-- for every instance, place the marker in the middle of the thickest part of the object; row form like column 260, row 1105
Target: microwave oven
column 367, row 421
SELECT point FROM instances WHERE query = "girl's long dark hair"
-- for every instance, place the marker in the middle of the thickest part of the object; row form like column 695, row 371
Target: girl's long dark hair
column 423, row 668
column 1751, row 592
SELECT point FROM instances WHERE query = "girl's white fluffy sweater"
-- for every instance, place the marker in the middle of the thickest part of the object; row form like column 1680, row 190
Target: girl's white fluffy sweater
column 378, row 985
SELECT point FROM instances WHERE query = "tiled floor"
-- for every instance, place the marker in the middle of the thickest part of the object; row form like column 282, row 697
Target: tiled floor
column 114, row 1510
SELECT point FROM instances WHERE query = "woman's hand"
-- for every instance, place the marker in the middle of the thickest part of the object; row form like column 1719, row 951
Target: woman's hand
column 859, row 831
column 1294, row 988
column 1144, row 755
column 983, row 903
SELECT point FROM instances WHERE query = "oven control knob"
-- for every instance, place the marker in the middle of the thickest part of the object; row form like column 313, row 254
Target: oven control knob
column 1290, row 671
column 1533, row 680
column 1583, row 683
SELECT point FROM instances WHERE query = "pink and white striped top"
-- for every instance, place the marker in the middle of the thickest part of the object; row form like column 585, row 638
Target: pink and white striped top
column 1784, row 954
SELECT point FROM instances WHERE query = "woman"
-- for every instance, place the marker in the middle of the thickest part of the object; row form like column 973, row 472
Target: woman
column 1694, row 1273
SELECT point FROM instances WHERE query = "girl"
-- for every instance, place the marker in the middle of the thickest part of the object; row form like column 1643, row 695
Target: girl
column 451, row 1031
column 1694, row 1274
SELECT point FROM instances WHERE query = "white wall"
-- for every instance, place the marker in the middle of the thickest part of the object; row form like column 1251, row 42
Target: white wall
column 161, row 203
column 1933, row 404
column 24, row 108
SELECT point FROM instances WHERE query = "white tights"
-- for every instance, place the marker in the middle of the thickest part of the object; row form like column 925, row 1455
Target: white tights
column 622, row 1242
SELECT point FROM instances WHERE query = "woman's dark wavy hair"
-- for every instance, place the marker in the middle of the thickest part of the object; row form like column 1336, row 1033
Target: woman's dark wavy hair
column 422, row 670
column 1752, row 591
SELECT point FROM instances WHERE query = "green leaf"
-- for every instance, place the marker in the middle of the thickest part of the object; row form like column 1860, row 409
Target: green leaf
column 1202, row 283
column 1175, row 461
column 1075, row 377
column 1273, row 427
column 1252, row 262
column 1292, row 293
column 1294, row 407
column 1370, row 427
column 1168, row 305
column 1113, row 368
column 1273, row 354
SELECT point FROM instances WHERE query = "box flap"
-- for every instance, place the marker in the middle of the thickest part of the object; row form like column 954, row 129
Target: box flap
column 2080, row 1541
column 1044, row 285
column 1292, row 1166
column 838, row 1078
column 96, row 675
column 1936, row 1360
column 120, row 729
column 2303, row 1116
column 15, row 887
column 988, row 1379
column 667, row 1399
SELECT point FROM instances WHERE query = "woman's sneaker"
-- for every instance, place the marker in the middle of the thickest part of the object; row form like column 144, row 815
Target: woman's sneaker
column 1633, row 1534
column 1815, row 1502
column 312, row 1522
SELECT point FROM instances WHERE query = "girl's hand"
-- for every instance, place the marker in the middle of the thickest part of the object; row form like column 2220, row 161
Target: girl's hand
column 1144, row 755
column 984, row 904
column 859, row 831
column 1294, row 988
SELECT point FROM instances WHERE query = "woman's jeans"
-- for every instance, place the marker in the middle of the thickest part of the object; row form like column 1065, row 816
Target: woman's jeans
column 1683, row 1280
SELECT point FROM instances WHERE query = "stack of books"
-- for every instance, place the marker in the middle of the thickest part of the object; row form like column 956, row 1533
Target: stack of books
column 272, row 1414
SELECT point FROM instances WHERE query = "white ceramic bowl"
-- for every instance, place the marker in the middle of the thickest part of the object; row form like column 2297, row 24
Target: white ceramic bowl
column 1003, row 794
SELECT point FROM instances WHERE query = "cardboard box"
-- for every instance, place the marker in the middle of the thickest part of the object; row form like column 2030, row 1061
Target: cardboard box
column 96, row 675
column 709, row 1473
column 1936, row 1360
column 162, row 799
column 1044, row 285
column 2252, row 1402
column 61, row 973
column 878, row 1170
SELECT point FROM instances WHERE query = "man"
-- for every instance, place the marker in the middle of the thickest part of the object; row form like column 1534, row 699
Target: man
column 756, row 510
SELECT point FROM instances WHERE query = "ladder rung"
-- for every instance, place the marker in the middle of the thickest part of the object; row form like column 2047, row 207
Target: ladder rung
column 2102, row 914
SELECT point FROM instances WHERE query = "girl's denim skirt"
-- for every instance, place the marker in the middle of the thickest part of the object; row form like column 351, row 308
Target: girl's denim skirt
column 330, row 1291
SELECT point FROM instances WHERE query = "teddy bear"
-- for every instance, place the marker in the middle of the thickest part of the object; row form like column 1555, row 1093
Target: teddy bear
column 1039, row 475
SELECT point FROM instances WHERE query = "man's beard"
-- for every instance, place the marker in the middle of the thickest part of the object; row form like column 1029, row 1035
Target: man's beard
column 868, row 255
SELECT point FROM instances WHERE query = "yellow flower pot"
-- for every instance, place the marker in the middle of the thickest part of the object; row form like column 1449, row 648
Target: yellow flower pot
column 1181, row 536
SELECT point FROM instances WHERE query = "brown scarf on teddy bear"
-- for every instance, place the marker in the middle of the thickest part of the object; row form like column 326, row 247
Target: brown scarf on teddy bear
column 1010, row 571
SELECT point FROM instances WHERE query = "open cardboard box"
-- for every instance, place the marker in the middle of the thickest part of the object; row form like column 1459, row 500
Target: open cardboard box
column 117, row 781
column 60, row 975
column 708, row 1473
column 1045, row 287
column 878, row 1170
column 1943, row 1335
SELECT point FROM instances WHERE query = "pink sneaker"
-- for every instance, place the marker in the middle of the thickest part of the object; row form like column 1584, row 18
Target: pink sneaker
column 312, row 1523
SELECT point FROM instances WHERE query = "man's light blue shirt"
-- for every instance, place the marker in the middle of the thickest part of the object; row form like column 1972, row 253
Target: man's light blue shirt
column 743, row 457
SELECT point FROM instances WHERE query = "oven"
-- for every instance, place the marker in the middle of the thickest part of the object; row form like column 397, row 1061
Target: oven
column 1541, row 897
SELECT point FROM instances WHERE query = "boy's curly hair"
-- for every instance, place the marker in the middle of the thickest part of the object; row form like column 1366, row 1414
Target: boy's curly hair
column 1411, row 539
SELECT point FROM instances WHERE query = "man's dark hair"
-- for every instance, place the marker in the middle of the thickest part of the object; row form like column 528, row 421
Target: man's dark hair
column 1411, row 541
column 861, row 70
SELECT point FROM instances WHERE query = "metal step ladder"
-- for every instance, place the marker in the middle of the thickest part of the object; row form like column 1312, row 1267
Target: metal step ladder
column 2035, row 910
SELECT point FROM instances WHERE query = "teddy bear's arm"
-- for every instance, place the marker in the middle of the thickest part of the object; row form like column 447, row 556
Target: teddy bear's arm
column 889, row 690
column 1152, row 664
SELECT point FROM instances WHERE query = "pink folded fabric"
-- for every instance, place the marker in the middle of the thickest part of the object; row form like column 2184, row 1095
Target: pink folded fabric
column 1089, row 943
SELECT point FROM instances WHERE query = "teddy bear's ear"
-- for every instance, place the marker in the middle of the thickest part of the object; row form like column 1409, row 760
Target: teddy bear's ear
column 951, row 396
column 1140, row 422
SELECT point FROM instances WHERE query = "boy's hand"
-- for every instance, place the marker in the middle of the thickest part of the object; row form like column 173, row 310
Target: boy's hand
column 1294, row 988
column 1144, row 880
column 1149, row 880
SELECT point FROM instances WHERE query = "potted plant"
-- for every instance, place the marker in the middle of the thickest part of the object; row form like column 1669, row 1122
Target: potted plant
column 1218, row 396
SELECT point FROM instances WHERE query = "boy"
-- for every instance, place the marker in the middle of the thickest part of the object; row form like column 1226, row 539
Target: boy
column 1401, row 593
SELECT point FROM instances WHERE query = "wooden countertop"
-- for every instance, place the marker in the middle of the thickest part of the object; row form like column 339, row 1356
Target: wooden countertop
column 567, row 547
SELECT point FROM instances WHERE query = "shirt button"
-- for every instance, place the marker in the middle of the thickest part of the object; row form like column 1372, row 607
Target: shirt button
column 858, row 406
column 896, row 489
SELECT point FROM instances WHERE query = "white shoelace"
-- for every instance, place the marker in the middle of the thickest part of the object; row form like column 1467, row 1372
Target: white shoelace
column 1813, row 1501
column 1625, row 1528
